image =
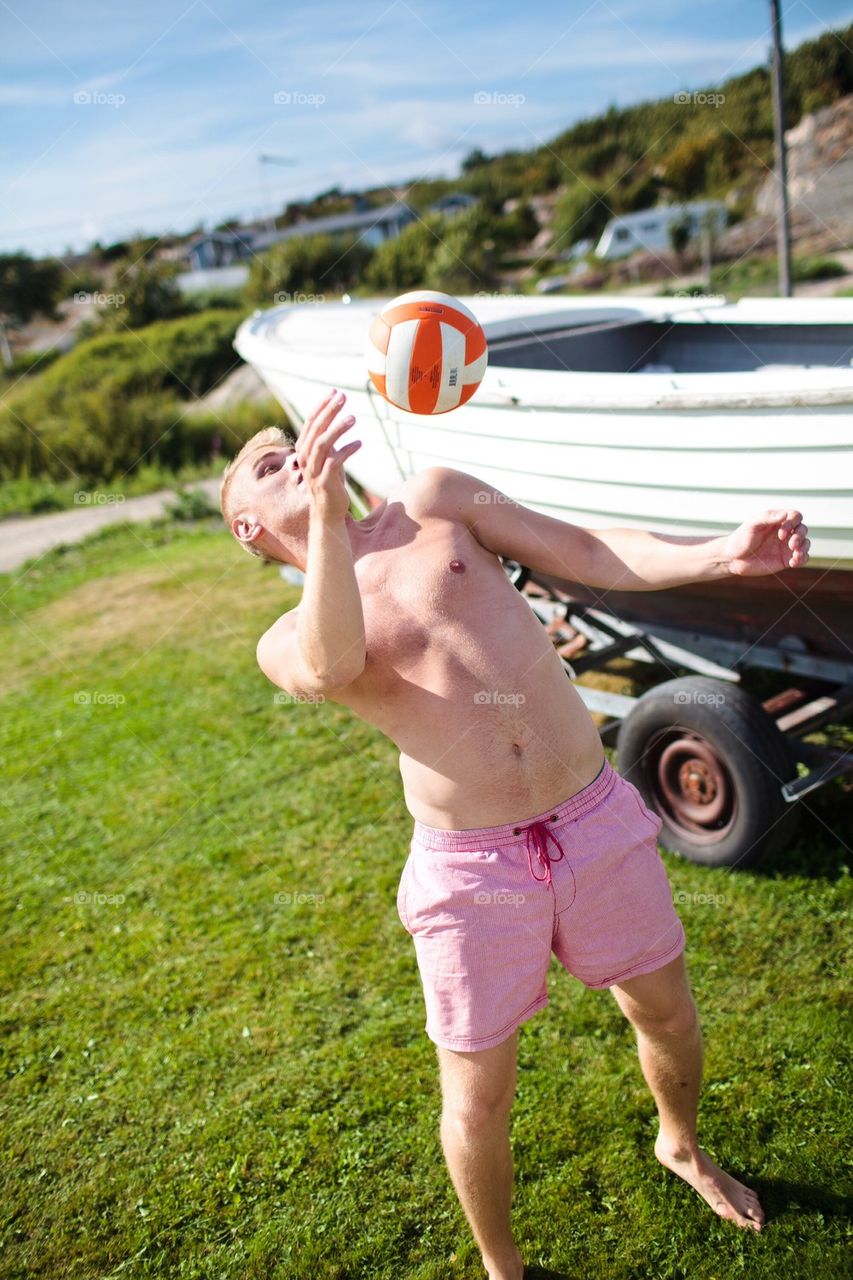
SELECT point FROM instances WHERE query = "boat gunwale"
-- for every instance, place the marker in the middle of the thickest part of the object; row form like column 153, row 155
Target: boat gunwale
column 503, row 386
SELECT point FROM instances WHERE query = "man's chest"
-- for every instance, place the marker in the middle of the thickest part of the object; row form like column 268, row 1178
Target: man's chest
column 437, row 587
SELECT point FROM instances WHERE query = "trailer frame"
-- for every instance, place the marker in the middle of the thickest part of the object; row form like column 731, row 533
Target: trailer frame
column 796, row 712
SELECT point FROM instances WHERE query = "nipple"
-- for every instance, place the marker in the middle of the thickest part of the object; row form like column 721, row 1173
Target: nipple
column 456, row 566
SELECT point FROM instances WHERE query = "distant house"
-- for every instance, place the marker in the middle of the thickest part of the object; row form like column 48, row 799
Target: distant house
column 220, row 249
column 371, row 226
column 451, row 204
column 649, row 228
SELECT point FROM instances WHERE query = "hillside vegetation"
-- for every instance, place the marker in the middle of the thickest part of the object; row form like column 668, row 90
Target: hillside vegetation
column 119, row 401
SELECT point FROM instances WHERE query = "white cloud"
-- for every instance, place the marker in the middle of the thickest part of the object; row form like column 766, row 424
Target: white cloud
column 33, row 94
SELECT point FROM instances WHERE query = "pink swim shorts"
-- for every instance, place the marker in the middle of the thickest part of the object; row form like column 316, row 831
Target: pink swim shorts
column 487, row 906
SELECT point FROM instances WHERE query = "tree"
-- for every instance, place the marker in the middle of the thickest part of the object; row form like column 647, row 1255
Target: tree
column 305, row 267
column 143, row 290
column 404, row 262
column 464, row 258
column 686, row 165
column 518, row 227
column 27, row 288
column 581, row 213
column 680, row 232
column 474, row 160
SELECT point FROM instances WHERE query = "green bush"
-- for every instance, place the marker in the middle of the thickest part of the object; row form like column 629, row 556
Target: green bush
column 404, row 263
column 26, row 362
column 307, row 267
column 761, row 274
column 457, row 253
column 464, row 258
column 191, row 504
column 187, row 356
column 217, row 298
column 148, row 291
column 517, row 228
column 119, row 399
column 686, row 165
column 818, row 268
column 581, row 213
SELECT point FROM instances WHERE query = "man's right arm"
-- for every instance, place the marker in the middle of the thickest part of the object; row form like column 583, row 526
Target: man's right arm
column 321, row 645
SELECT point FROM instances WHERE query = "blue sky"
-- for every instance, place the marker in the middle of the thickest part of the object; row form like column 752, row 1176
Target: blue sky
column 118, row 118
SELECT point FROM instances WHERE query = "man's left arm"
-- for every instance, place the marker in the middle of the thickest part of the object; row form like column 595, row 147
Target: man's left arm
column 617, row 559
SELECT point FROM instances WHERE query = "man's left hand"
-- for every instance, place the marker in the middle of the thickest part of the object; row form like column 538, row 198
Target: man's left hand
column 773, row 541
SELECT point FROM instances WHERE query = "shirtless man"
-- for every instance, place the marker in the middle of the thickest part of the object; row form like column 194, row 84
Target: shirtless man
column 525, row 840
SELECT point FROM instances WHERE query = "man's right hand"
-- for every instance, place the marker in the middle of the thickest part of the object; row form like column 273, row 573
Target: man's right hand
column 322, row 465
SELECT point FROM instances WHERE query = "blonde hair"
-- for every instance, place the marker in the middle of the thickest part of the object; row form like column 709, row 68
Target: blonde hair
column 269, row 435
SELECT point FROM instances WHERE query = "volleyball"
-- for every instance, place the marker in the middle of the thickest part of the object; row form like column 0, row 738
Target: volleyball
column 426, row 352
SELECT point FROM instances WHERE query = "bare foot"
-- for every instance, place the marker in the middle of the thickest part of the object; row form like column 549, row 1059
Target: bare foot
column 726, row 1196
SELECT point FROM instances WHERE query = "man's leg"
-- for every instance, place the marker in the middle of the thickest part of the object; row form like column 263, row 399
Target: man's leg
column 477, row 1092
column 661, row 1008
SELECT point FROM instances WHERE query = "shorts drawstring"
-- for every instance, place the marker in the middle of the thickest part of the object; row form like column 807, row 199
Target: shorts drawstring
column 536, row 836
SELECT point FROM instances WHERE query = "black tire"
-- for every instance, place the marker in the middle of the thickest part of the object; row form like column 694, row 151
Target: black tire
column 711, row 763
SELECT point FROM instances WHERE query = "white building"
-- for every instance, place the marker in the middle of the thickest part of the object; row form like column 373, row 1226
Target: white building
column 649, row 228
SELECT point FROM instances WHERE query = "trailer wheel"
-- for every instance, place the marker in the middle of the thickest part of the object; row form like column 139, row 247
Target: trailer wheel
column 709, row 761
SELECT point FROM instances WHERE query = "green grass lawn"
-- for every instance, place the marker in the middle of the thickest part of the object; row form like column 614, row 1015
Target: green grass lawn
column 212, row 1018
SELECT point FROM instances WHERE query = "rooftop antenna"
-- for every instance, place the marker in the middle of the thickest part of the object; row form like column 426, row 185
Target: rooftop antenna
column 783, row 230
column 264, row 160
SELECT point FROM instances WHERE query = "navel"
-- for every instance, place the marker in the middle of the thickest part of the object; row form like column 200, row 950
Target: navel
column 456, row 566
column 516, row 748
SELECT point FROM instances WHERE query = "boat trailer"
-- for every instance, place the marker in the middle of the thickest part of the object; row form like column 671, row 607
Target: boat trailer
column 724, row 771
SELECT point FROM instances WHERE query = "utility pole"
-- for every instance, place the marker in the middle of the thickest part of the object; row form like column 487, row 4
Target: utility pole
column 264, row 160
column 783, row 230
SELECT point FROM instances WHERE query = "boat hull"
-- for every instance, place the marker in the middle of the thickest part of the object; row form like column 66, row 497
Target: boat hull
column 692, row 454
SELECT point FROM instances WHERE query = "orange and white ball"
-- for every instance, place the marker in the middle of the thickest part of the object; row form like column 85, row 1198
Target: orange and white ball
column 426, row 352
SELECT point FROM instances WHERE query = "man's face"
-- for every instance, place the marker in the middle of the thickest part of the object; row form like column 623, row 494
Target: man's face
column 269, row 490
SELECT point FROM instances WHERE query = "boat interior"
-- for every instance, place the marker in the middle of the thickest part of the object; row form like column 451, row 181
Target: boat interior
column 643, row 345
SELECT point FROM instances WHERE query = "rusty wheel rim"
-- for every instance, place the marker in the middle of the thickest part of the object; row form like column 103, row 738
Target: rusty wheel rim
column 691, row 786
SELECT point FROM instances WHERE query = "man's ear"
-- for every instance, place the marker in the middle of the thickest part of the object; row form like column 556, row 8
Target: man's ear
column 246, row 528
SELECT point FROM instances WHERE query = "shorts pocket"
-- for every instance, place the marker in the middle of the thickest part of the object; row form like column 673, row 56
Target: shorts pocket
column 402, row 894
column 649, row 814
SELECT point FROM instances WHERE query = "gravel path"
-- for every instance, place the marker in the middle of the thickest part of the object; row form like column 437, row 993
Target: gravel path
column 29, row 537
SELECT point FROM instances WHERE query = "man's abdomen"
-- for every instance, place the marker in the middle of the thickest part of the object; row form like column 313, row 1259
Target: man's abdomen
column 501, row 759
